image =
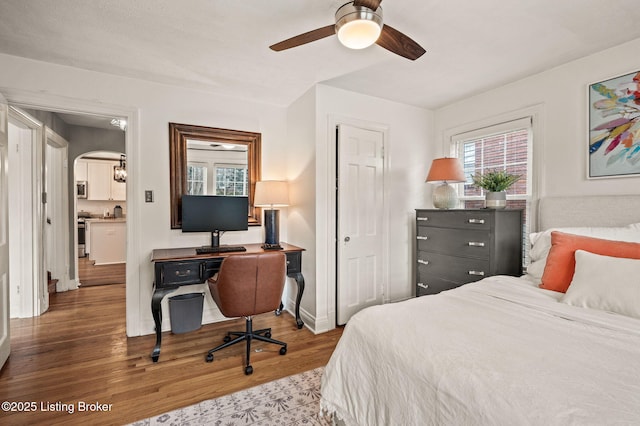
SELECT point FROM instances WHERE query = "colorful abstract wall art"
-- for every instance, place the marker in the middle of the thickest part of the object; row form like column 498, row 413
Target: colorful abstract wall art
column 614, row 127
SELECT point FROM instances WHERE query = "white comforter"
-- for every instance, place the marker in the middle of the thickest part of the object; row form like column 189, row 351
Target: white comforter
column 497, row 352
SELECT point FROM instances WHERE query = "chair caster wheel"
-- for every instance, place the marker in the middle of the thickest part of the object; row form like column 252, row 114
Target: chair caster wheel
column 267, row 334
column 209, row 358
column 248, row 370
column 283, row 350
column 226, row 339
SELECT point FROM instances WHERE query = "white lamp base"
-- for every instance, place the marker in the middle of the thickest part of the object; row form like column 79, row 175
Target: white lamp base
column 445, row 197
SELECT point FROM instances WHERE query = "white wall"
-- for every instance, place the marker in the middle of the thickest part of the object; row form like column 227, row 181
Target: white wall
column 301, row 174
column 152, row 107
column 312, row 169
column 561, row 94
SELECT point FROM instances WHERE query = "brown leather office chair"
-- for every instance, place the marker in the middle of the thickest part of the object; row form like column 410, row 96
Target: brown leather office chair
column 248, row 285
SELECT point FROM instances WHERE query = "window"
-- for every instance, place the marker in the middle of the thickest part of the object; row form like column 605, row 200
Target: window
column 231, row 179
column 197, row 178
column 506, row 146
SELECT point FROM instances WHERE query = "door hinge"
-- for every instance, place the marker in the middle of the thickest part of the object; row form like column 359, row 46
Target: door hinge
column 44, row 198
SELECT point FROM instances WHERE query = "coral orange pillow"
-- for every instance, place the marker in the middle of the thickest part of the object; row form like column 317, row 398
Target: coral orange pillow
column 561, row 262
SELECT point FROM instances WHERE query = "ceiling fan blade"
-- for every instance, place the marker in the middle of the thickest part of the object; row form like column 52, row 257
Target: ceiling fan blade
column 371, row 4
column 305, row 38
column 398, row 43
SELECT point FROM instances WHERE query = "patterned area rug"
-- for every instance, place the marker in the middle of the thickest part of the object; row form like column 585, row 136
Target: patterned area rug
column 293, row 400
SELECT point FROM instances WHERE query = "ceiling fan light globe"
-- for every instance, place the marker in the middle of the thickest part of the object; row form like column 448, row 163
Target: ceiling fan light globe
column 358, row 26
column 359, row 34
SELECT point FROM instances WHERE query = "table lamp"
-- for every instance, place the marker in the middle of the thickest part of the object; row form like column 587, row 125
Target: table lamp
column 271, row 193
column 445, row 170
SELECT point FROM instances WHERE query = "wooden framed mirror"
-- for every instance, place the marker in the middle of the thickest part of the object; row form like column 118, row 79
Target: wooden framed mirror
column 186, row 139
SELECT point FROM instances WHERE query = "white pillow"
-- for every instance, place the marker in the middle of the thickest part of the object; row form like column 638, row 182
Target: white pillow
column 541, row 243
column 607, row 283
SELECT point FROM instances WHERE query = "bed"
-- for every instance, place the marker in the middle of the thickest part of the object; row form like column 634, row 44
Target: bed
column 503, row 350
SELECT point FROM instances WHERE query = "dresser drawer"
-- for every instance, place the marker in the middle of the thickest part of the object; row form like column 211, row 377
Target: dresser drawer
column 455, row 269
column 464, row 219
column 458, row 242
column 434, row 285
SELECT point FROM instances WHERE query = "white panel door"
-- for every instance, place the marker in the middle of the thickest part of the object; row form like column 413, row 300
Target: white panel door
column 360, row 214
column 5, row 347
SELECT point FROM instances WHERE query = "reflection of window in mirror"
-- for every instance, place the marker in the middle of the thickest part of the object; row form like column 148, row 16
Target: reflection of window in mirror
column 196, row 178
column 231, row 179
column 217, row 168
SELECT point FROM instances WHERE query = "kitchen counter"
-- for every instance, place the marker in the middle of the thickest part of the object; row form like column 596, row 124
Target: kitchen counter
column 106, row 220
column 107, row 239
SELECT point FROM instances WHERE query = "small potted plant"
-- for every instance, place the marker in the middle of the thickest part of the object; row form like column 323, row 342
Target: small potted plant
column 495, row 184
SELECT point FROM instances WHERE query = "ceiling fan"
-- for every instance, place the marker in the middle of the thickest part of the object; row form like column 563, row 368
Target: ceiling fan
column 359, row 25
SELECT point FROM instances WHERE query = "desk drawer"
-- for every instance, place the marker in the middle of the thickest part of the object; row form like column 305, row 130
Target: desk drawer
column 458, row 242
column 211, row 267
column 294, row 262
column 181, row 273
column 464, row 219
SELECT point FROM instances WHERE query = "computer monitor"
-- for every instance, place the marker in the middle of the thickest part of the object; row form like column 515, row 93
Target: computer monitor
column 215, row 214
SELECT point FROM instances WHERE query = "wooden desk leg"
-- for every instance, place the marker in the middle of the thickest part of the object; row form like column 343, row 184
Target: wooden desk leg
column 156, row 311
column 300, row 282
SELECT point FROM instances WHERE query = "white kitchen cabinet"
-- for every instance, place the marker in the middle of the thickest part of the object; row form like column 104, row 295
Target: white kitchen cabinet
column 99, row 187
column 81, row 170
column 118, row 189
column 100, row 182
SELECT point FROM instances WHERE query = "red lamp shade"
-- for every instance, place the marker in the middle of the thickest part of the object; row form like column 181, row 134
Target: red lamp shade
column 446, row 170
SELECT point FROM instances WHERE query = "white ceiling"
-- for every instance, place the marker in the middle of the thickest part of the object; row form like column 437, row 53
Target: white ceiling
column 222, row 46
column 87, row 120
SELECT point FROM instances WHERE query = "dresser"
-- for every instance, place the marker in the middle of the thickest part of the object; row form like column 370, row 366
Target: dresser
column 455, row 247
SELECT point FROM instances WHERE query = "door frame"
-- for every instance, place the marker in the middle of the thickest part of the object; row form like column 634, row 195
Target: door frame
column 331, row 269
column 5, row 328
column 58, row 201
column 66, row 104
column 33, row 299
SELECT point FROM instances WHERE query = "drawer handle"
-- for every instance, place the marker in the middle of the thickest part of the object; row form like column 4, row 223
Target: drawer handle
column 478, row 221
column 424, row 219
column 476, row 244
column 480, row 273
column 420, row 237
column 423, row 285
column 187, row 272
column 424, row 262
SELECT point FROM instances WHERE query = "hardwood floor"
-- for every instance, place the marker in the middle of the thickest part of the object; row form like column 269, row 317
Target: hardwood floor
column 90, row 274
column 78, row 352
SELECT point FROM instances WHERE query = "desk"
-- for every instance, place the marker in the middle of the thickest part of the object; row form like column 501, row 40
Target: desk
column 182, row 266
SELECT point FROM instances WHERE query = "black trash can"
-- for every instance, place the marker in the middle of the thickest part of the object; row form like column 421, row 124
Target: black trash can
column 185, row 311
